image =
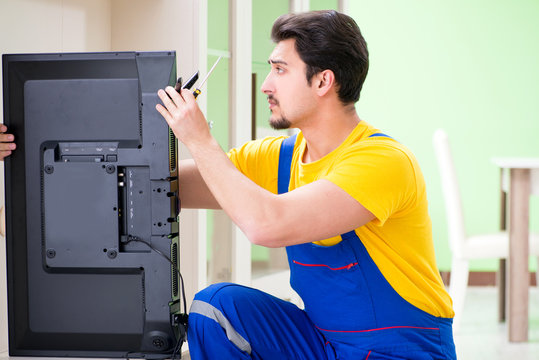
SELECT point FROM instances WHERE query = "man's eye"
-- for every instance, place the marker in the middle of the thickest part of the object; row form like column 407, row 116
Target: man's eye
column 279, row 70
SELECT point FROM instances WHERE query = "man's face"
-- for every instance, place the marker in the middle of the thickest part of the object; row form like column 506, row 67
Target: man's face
column 289, row 95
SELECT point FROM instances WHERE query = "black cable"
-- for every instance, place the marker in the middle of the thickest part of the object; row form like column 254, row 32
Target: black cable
column 177, row 349
column 178, row 346
column 131, row 238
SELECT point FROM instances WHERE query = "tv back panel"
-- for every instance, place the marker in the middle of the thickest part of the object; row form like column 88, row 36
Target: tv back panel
column 91, row 205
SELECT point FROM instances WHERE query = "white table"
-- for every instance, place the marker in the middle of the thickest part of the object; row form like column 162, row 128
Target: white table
column 523, row 181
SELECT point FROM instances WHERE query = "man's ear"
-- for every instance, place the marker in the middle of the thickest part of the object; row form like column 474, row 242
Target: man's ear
column 324, row 81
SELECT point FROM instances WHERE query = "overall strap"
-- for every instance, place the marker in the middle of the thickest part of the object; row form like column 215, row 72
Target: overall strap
column 285, row 162
column 380, row 134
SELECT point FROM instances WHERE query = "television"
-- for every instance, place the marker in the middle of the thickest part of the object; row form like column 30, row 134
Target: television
column 91, row 206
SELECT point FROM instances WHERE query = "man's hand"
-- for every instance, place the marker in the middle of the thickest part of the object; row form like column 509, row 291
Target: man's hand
column 184, row 116
column 6, row 142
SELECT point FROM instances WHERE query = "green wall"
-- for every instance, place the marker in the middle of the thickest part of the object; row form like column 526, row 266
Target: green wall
column 468, row 67
column 264, row 14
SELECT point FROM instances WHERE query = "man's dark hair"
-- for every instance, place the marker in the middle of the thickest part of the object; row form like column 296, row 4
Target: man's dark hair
column 330, row 40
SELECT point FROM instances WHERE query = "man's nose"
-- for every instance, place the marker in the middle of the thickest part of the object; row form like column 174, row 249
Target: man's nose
column 267, row 87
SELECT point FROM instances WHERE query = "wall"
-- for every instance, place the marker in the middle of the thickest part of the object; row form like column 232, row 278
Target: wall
column 469, row 67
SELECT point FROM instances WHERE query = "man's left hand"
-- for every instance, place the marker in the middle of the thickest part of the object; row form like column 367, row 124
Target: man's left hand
column 183, row 115
column 6, row 142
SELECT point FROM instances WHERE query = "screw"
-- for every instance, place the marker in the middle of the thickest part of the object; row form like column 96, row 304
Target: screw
column 110, row 169
column 112, row 254
column 158, row 342
column 51, row 253
column 49, row 169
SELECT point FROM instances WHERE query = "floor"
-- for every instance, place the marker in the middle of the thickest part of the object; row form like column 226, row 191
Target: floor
column 482, row 337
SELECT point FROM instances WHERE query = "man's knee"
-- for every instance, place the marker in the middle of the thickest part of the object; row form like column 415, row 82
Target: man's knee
column 212, row 317
column 213, row 294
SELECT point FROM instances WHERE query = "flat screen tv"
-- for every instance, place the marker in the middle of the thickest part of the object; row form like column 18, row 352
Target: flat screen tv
column 91, row 206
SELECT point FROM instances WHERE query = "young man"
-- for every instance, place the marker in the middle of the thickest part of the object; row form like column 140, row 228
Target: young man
column 348, row 203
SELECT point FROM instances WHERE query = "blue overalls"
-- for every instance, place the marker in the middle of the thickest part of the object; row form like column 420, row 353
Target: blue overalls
column 351, row 311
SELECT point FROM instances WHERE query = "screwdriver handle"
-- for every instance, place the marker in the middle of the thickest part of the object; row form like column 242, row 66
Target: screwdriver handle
column 196, row 93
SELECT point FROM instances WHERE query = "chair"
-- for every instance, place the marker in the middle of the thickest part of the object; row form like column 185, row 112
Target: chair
column 463, row 247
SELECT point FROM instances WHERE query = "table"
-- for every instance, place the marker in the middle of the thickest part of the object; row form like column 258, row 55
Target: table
column 523, row 181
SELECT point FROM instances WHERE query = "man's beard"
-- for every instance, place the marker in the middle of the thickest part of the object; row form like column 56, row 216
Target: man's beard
column 280, row 123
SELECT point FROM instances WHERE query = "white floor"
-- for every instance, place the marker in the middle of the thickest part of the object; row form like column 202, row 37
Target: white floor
column 482, row 337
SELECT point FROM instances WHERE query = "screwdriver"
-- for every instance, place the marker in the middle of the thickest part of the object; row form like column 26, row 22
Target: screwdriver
column 188, row 85
column 197, row 90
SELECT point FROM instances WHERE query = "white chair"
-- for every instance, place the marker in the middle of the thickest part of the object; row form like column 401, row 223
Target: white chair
column 464, row 247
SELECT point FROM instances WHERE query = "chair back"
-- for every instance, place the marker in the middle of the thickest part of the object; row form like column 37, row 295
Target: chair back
column 451, row 192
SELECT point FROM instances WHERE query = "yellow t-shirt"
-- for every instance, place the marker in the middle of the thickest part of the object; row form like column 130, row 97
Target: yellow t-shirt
column 384, row 177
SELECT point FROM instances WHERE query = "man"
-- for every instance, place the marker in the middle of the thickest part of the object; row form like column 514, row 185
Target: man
column 347, row 201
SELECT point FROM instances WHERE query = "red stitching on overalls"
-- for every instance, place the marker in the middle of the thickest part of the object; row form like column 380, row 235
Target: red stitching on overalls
column 369, row 354
column 346, row 267
column 384, row 328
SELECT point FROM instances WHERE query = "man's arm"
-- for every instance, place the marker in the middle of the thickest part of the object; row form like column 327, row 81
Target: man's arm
column 194, row 194
column 312, row 212
column 6, row 142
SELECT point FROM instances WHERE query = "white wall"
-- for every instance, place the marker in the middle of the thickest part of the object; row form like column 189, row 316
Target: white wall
column 54, row 25
column 154, row 25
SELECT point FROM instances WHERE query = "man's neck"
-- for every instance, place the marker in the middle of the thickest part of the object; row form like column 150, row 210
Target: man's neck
column 327, row 131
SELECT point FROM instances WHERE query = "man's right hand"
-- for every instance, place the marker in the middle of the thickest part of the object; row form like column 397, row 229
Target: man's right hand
column 7, row 144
